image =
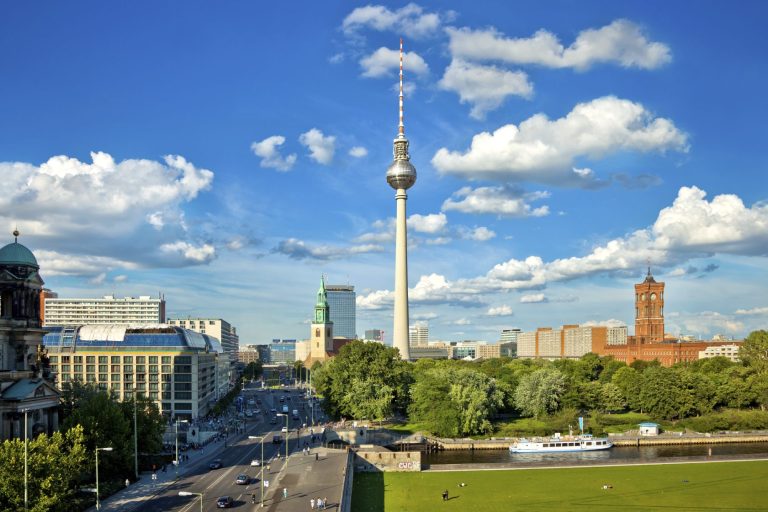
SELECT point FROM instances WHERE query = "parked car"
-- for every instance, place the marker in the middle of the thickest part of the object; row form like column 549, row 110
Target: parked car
column 242, row 479
column 224, row 502
column 215, row 464
column 256, row 462
column 284, row 429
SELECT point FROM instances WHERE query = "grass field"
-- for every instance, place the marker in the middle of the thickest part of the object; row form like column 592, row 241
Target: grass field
column 721, row 486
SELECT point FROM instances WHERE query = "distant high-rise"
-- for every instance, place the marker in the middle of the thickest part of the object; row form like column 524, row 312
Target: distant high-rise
column 341, row 300
column 216, row 327
column 401, row 175
column 375, row 335
column 418, row 334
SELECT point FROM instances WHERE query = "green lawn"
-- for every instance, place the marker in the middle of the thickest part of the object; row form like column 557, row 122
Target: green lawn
column 731, row 486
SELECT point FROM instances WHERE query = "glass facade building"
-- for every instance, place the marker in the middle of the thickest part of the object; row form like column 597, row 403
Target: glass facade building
column 342, row 305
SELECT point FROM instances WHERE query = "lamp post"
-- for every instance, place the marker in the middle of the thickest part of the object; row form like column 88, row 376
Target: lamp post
column 135, row 438
column 26, row 480
column 261, row 438
column 186, row 493
column 287, row 432
column 105, row 449
column 177, row 444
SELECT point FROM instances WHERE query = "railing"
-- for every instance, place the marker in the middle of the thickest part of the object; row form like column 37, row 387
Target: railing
column 345, row 504
column 16, row 374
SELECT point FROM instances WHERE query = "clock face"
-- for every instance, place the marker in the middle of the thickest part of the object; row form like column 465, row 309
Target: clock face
column 653, row 296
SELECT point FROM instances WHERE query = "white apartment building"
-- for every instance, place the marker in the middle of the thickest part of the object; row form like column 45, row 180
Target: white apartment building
column 216, row 327
column 729, row 351
column 526, row 344
column 549, row 343
column 106, row 310
column 616, row 335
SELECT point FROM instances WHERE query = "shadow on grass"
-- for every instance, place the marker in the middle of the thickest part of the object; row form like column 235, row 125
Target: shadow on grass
column 368, row 492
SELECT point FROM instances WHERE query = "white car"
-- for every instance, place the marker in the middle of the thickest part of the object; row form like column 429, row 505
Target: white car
column 256, row 462
column 284, row 429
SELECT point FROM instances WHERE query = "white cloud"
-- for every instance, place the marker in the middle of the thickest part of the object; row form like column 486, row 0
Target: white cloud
column 753, row 311
column 197, row 253
column 544, row 150
column 502, row 310
column 622, row 42
column 321, row 147
column 423, row 316
column 99, row 279
column 271, row 158
column 384, row 62
column 120, row 279
column 484, row 87
column 480, row 234
column 503, row 201
column 723, row 225
column 358, row 152
column 611, row 322
column 461, row 321
column 709, row 322
column 534, row 298
column 432, row 223
column 125, row 210
column 299, row 250
column 410, row 20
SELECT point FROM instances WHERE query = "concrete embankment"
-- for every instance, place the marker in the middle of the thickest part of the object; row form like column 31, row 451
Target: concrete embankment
column 668, row 439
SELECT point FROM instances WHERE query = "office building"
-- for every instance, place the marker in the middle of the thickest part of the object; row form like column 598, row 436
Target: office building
column 183, row 371
column 106, row 310
column 375, row 335
column 216, row 327
column 418, row 335
column 342, row 303
column 282, row 351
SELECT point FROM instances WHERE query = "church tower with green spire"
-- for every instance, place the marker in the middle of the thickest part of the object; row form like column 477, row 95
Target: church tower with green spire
column 321, row 339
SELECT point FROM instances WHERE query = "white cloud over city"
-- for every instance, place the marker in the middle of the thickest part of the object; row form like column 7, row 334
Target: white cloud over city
column 269, row 152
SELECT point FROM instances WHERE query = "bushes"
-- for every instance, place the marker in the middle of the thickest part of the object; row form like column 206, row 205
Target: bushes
column 728, row 420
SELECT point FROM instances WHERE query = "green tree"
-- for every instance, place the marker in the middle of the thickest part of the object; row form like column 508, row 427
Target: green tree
column 253, row 370
column 150, row 424
column 540, row 392
column 627, row 379
column 365, row 380
column 55, row 466
column 455, row 401
column 754, row 351
column 611, row 398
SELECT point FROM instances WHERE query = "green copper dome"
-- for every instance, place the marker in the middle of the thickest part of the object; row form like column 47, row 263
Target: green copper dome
column 17, row 254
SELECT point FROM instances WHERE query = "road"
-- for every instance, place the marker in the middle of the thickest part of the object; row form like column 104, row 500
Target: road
column 236, row 459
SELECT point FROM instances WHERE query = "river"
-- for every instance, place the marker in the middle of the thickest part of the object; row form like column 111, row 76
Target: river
column 614, row 455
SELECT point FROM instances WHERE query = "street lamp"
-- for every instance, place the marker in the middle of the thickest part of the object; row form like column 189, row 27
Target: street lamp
column 261, row 438
column 135, row 437
column 287, row 432
column 177, row 444
column 186, row 493
column 105, row 449
column 26, row 436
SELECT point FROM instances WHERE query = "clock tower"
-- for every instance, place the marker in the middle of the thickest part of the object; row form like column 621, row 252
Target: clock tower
column 649, row 310
column 321, row 336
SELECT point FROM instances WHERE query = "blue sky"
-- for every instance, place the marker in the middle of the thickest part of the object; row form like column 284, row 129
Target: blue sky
column 227, row 155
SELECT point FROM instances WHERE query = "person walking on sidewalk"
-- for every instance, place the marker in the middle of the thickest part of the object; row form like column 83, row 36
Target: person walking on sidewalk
column 285, row 492
column 312, row 504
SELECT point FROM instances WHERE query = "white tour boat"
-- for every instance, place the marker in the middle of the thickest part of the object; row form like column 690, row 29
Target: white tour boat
column 582, row 443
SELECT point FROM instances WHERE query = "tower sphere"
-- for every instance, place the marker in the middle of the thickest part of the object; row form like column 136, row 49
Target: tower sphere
column 401, row 174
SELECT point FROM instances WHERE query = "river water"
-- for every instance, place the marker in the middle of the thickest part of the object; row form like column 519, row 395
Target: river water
column 614, row 455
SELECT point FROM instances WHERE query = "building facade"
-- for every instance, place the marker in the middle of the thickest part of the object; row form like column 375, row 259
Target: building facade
column 183, row 371
column 375, row 335
column 106, row 310
column 418, row 334
column 649, row 310
column 343, row 306
column 282, row 351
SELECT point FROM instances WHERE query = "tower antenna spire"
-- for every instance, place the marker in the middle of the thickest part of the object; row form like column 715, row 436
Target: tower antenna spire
column 401, row 126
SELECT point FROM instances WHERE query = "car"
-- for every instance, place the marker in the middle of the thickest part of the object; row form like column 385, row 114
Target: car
column 224, row 502
column 284, row 429
column 257, row 411
column 277, row 439
column 282, row 399
column 215, row 464
column 273, row 410
column 242, row 479
column 256, row 462
column 249, row 414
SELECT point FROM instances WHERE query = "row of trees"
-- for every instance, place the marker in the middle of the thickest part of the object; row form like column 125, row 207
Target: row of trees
column 60, row 464
column 457, row 398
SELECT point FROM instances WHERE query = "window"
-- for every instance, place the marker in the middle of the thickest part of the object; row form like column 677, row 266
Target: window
column 115, row 377
column 141, row 359
column 90, row 368
column 166, row 395
column 183, row 395
column 53, row 359
column 90, row 359
column 115, row 359
column 153, row 368
column 166, row 360
column 152, row 359
column 153, row 377
column 65, row 359
column 141, row 386
column 65, row 368
column 141, row 368
column 90, row 378
column 78, row 359
column 153, row 386
column 141, row 377
column 128, row 368
column 115, row 368
column 166, row 368
column 152, row 395
column 103, row 377
column 183, row 360
column 166, row 377
column 127, row 359
column 103, row 359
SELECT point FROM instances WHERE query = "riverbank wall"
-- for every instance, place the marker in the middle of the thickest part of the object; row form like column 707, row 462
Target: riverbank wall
column 660, row 440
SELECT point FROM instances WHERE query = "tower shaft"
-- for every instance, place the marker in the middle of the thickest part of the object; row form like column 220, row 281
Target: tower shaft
column 400, row 331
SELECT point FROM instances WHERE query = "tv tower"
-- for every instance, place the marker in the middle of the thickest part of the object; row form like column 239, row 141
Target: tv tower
column 401, row 175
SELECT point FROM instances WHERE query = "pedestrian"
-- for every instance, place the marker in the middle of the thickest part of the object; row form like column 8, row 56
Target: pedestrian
column 285, row 492
column 316, row 456
column 325, row 503
column 312, row 503
column 445, row 495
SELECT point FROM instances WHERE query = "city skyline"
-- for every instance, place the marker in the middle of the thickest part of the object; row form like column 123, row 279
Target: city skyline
column 227, row 156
